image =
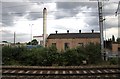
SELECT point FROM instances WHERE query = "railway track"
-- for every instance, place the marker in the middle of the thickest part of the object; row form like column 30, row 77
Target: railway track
column 77, row 72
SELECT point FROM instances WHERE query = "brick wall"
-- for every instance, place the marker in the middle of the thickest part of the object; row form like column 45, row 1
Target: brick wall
column 72, row 42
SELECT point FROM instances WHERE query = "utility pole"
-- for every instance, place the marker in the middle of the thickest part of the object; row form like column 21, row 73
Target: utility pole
column 118, row 8
column 31, row 30
column 101, row 29
column 14, row 37
column 117, row 14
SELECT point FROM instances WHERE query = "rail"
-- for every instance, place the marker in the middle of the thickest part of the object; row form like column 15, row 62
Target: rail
column 71, row 72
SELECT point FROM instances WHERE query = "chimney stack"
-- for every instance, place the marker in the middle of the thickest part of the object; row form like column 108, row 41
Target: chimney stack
column 44, row 26
column 56, row 31
column 92, row 31
column 67, row 31
column 79, row 31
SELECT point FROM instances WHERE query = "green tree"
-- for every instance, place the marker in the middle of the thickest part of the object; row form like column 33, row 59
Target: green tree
column 118, row 40
column 18, row 43
column 93, row 53
column 12, row 55
column 113, row 38
column 70, row 57
column 51, row 55
column 82, row 54
column 34, row 42
column 29, row 43
column 114, row 61
column 5, row 41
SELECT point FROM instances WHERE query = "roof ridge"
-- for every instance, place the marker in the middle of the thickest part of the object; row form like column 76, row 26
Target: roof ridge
column 78, row 33
column 74, row 35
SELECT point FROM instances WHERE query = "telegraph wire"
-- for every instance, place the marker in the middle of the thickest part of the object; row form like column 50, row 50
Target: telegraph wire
column 15, row 6
column 20, row 5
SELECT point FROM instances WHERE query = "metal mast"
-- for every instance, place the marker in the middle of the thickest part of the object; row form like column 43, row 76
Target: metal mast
column 44, row 26
column 117, row 14
column 101, row 26
column 117, row 11
column 14, row 37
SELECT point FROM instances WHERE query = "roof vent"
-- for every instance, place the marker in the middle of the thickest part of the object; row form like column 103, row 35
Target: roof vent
column 79, row 31
column 67, row 31
column 56, row 31
column 92, row 31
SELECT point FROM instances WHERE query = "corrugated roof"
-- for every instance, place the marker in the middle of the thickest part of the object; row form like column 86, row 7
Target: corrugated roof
column 73, row 35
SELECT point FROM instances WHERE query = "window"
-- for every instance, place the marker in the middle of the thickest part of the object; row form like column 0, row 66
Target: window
column 80, row 44
column 66, row 46
column 118, row 49
column 54, row 44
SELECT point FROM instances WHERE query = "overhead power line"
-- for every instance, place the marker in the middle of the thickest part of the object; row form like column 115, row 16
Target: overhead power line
column 19, row 5
column 117, row 11
column 93, row 12
column 15, row 6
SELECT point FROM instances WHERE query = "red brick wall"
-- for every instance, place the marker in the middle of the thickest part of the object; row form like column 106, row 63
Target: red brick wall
column 72, row 42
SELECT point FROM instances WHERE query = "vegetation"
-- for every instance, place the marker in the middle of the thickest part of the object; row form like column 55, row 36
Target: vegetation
column 113, row 38
column 50, row 56
column 33, row 42
column 118, row 40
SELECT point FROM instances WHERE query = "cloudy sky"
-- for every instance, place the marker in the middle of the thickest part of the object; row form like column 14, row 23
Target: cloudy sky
column 25, row 17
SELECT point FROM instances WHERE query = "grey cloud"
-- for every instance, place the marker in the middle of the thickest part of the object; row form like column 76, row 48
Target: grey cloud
column 111, row 23
column 67, row 5
column 108, row 23
column 73, row 5
column 7, row 36
column 62, row 28
column 65, row 28
column 7, row 20
column 0, row 12
column 70, row 9
column 12, row 9
column 66, row 9
column 41, row 1
column 63, row 14
column 109, row 8
column 70, row 5
column 93, row 23
column 34, row 15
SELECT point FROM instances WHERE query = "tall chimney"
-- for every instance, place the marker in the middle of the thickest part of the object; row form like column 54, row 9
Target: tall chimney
column 44, row 26
column 79, row 31
column 67, row 31
column 92, row 31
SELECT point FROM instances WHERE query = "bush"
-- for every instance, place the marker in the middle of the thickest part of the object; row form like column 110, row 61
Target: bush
column 10, row 54
column 93, row 53
column 113, row 61
column 49, row 56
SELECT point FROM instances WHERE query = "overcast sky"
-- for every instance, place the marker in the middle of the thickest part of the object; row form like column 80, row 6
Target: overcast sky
column 21, row 16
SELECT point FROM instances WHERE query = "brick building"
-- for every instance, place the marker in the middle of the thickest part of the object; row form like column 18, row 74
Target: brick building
column 62, row 41
column 115, row 47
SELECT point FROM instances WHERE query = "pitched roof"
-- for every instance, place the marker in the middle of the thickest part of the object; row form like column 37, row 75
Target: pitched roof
column 73, row 35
